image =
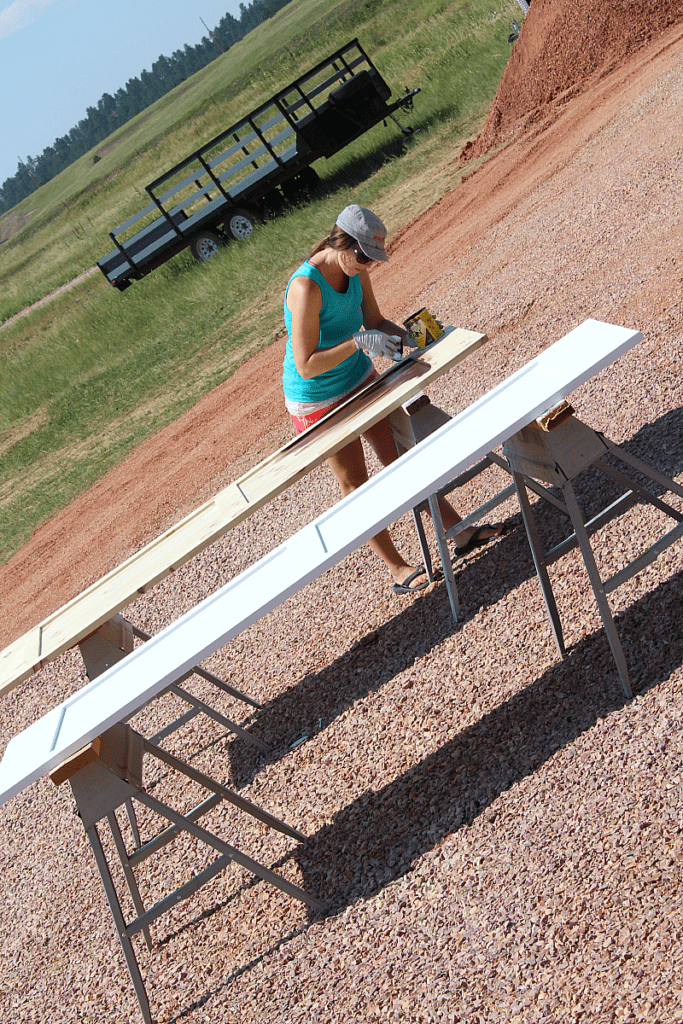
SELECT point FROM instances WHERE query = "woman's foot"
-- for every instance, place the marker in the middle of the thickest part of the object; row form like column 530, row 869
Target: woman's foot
column 407, row 581
column 478, row 536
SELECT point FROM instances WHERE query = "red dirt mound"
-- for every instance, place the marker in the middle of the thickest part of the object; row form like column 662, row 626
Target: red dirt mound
column 563, row 46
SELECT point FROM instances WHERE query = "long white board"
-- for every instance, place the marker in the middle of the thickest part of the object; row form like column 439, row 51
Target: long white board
column 128, row 685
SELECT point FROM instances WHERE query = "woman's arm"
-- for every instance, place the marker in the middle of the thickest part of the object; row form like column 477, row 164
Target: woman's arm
column 304, row 300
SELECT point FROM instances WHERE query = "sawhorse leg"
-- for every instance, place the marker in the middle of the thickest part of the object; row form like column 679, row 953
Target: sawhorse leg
column 411, row 424
column 598, row 589
column 557, row 453
column 108, row 775
column 444, row 555
column 539, row 561
column 119, row 923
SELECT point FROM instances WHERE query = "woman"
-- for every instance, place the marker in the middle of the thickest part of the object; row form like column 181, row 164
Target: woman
column 334, row 324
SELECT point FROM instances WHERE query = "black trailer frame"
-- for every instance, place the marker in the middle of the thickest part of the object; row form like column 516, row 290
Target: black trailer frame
column 254, row 166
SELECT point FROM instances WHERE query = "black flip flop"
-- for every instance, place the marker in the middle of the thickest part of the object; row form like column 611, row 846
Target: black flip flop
column 477, row 541
column 404, row 588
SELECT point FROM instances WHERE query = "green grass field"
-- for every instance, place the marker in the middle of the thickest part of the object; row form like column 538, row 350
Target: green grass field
column 91, row 374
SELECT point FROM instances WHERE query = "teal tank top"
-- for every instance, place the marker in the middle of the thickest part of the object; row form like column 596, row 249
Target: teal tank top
column 341, row 316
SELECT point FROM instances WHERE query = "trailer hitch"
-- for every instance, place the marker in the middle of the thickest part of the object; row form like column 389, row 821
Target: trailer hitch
column 406, row 102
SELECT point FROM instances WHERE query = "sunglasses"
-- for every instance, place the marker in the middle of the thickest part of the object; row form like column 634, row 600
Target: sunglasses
column 361, row 257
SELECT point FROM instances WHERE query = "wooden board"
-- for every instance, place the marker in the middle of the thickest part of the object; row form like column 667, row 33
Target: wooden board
column 67, row 769
column 87, row 611
column 150, row 669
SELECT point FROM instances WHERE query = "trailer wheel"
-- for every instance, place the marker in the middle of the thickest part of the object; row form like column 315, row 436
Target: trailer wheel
column 240, row 224
column 204, row 245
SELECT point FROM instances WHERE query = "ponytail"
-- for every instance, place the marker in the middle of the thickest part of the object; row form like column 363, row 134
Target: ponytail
column 319, row 247
column 337, row 239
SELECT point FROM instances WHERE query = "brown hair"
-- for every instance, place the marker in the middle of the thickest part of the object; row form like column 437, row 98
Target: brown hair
column 337, row 239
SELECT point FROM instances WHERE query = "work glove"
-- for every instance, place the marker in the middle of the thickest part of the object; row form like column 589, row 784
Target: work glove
column 377, row 343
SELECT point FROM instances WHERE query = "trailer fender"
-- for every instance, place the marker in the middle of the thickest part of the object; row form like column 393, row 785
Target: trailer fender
column 301, row 186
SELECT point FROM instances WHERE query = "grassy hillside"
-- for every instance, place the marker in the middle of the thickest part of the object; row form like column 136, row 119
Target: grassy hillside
column 94, row 372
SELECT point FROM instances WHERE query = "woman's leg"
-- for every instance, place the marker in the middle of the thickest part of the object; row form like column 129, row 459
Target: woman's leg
column 348, row 466
column 382, row 440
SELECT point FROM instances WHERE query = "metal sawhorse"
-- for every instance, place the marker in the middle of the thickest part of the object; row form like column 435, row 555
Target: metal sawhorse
column 412, row 423
column 552, row 450
column 107, row 775
column 556, row 455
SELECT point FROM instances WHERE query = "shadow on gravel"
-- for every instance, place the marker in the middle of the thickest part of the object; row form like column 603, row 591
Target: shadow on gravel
column 483, row 579
column 374, row 840
column 320, row 697
column 377, row 838
column 660, row 444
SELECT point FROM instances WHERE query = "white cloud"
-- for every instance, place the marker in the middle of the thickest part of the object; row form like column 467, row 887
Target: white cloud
column 20, row 14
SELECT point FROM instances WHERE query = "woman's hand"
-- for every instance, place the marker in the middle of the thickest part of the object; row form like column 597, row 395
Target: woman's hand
column 377, row 343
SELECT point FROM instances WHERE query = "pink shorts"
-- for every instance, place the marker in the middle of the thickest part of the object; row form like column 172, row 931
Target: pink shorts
column 302, row 423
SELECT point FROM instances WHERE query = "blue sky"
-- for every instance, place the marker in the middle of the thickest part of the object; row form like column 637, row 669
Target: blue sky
column 58, row 57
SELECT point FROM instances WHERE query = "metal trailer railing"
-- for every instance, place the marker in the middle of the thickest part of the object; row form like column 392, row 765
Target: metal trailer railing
column 255, row 165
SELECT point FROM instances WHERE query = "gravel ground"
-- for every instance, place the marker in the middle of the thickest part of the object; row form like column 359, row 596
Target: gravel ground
column 497, row 833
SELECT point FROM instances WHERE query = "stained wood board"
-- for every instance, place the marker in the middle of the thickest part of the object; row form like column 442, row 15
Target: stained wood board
column 128, row 685
column 75, row 620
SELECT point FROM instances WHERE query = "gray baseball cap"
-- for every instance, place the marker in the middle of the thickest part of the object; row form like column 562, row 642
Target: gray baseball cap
column 366, row 227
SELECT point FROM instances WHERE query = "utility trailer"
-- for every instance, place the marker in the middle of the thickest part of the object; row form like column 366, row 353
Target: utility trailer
column 254, row 166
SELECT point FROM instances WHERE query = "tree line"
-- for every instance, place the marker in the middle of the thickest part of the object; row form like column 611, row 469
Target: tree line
column 113, row 111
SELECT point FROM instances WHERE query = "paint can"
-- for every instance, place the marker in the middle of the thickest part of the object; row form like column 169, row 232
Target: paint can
column 422, row 327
